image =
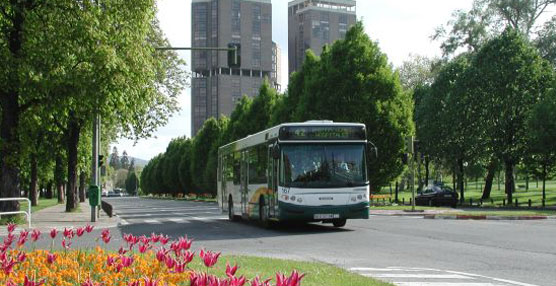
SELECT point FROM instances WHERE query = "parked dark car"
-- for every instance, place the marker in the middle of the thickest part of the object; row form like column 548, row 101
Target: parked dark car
column 437, row 195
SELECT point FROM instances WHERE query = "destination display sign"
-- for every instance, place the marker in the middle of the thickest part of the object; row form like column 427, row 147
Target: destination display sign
column 322, row 133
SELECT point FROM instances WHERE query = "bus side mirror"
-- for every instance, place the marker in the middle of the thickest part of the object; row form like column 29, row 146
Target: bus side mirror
column 276, row 152
column 372, row 149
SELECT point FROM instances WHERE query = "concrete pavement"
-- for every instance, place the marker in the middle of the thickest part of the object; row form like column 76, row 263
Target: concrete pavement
column 57, row 217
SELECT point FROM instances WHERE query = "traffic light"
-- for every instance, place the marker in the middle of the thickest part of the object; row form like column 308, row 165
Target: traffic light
column 234, row 55
column 100, row 160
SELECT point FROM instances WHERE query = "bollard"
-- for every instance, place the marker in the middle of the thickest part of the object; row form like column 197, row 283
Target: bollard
column 504, row 202
column 529, row 202
column 516, row 203
column 543, row 202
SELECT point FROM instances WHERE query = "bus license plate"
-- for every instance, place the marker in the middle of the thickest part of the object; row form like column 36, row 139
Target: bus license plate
column 326, row 216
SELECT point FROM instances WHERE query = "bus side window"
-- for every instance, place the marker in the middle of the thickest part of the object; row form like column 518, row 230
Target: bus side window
column 237, row 168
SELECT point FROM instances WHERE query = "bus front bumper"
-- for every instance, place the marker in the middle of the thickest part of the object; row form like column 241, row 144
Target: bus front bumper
column 291, row 212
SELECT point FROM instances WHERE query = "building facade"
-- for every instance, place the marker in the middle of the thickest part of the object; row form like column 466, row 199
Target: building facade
column 216, row 23
column 312, row 24
column 276, row 74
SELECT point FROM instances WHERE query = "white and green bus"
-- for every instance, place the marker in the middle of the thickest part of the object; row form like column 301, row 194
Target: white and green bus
column 313, row 172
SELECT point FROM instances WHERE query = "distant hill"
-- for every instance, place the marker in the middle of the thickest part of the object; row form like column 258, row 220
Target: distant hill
column 138, row 162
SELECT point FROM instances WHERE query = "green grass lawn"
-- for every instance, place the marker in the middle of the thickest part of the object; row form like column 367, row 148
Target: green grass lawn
column 23, row 205
column 474, row 191
column 514, row 213
column 317, row 274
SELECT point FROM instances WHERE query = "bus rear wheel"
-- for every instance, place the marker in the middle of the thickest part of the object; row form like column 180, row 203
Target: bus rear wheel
column 339, row 222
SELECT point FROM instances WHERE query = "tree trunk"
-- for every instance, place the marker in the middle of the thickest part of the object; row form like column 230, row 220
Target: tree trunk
column 397, row 189
column 33, row 184
column 527, row 182
column 82, row 187
column 427, row 170
column 10, row 108
column 489, row 178
column 544, row 181
column 48, row 193
column 461, row 180
column 454, row 179
column 72, row 138
column 59, row 177
column 509, row 184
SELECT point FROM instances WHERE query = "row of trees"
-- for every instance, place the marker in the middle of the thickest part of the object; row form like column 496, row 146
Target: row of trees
column 351, row 82
column 62, row 63
column 492, row 105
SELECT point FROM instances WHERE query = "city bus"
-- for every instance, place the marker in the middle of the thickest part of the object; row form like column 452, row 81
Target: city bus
column 310, row 172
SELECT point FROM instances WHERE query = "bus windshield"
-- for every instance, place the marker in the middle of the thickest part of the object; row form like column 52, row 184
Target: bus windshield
column 323, row 165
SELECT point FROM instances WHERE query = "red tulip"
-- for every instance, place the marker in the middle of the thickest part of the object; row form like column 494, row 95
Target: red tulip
column 164, row 239
column 180, row 267
column 119, row 267
column 188, row 257
column 144, row 239
column 50, row 258
column 133, row 283
column 184, row 243
column 209, row 258
column 9, row 240
column 150, row 282
column 22, row 240
column 170, row 262
column 89, row 282
column 35, row 235
column 53, row 233
column 122, row 251
column 11, row 227
column 154, row 238
column 293, row 280
column 8, row 266
column 161, row 254
column 126, row 261
column 10, row 283
column 89, row 228
column 234, row 281
column 80, row 231
column 109, row 260
column 230, row 271
column 144, row 248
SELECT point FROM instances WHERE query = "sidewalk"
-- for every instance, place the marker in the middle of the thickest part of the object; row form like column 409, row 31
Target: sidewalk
column 407, row 213
column 57, row 217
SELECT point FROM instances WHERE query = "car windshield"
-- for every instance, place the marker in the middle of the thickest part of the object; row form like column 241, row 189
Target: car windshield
column 323, row 165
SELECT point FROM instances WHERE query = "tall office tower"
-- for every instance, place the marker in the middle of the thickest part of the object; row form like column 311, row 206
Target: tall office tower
column 315, row 23
column 276, row 74
column 216, row 23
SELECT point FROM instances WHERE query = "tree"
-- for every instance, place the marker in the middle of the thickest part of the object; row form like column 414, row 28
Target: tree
column 541, row 127
column 124, row 161
column 418, row 71
column 507, row 78
column 201, row 152
column 131, row 183
column 184, row 171
column 487, row 19
column 171, row 166
column 114, row 159
column 353, row 82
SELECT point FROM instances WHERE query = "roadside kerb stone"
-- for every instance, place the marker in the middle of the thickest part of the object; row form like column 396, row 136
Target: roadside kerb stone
column 487, row 217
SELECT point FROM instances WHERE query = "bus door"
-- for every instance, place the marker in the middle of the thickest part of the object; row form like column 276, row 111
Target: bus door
column 222, row 175
column 272, row 182
column 244, row 185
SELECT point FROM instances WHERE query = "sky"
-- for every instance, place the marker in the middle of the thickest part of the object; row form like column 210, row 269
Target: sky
column 401, row 28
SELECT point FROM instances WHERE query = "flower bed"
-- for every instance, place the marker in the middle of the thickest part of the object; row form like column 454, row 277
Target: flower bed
column 152, row 260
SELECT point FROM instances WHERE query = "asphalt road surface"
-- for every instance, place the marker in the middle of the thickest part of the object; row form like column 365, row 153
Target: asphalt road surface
column 409, row 251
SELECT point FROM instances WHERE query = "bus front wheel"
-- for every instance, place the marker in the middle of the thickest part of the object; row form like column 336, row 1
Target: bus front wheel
column 339, row 222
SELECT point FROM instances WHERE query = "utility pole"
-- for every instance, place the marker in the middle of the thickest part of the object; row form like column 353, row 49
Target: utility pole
column 95, row 179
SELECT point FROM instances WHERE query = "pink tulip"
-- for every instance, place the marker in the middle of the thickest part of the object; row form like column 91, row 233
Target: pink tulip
column 126, row 261
column 133, row 283
column 80, row 231
column 119, row 267
column 8, row 266
column 21, row 257
column 122, row 251
column 89, row 228
column 150, row 282
column 109, row 260
column 50, row 258
column 89, row 282
column 170, row 262
column 11, row 227
column 161, row 255
column 35, row 235
column 293, row 280
column 22, row 240
column 209, row 258
column 10, row 283
column 144, row 248
column 65, row 244
column 234, row 281
column 9, row 240
column 28, row 282
column 68, row 233
column 230, row 271
column 258, row 282
column 184, row 243
column 143, row 239
column 53, row 233
column 154, row 238
column 180, row 267
column 164, row 239
column 105, row 233
column 188, row 257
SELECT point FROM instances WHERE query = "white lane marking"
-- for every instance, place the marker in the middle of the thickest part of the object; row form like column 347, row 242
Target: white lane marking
column 359, row 269
column 123, row 222
column 444, row 284
column 152, row 221
column 472, row 275
column 419, row 276
column 177, row 220
column 136, row 215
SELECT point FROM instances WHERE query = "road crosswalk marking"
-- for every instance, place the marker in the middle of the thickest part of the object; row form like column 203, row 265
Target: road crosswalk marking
column 152, row 221
column 402, row 276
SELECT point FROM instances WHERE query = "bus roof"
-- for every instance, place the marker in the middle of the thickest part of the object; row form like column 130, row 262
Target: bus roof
column 272, row 134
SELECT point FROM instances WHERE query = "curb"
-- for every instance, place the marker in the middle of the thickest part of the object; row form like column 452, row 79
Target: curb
column 485, row 217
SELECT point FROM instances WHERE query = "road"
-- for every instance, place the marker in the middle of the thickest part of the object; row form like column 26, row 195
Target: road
column 409, row 251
